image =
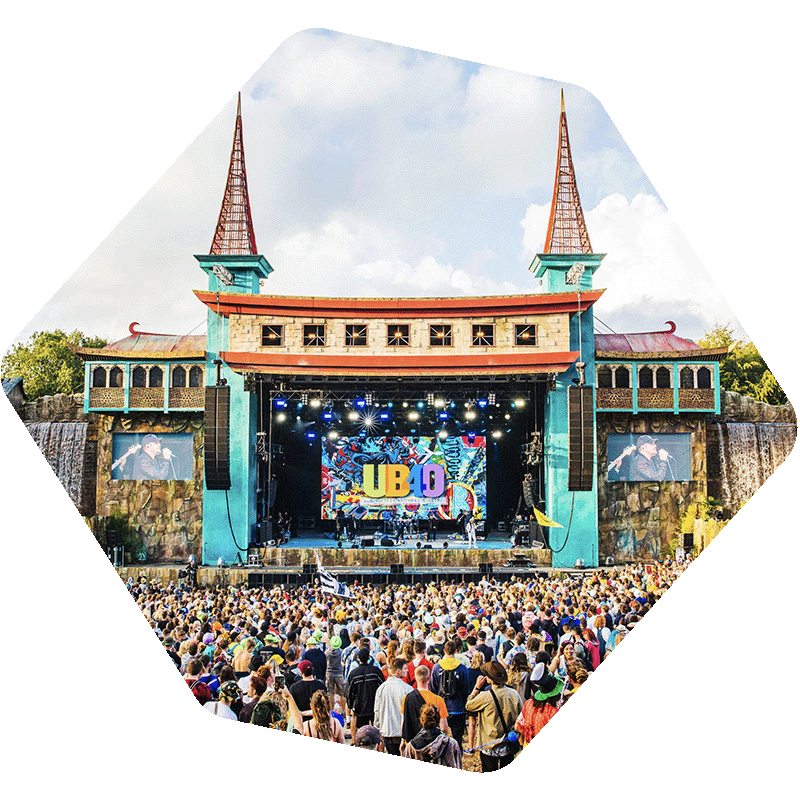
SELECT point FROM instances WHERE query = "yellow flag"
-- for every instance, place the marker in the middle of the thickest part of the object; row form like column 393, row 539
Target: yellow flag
column 544, row 521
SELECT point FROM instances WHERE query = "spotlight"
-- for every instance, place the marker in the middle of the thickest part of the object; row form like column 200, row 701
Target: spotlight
column 368, row 398
column 429, row 397
column 438, row 402
column 360, row 403
column 420, row 404
column 518, row 403
column 470, row 414
column 442, row 435
column 508, row 416
column 405, row 404
column 304, row 398
column 353, row 416
column 492, row 398
column 311, row 435
column 281, row 417
column 316, row 402
column 497, row 434
column 444, row 415
column 333, row 435
column 413, row 415
column 280, row 402
column 327, row 415
column 482, row 403
column 383, row 415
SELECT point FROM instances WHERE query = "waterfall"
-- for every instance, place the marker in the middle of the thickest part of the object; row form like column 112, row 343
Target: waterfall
column 748, row 454
column 63, row 445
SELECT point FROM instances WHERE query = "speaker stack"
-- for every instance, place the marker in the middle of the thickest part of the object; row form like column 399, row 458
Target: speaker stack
column 216, row 460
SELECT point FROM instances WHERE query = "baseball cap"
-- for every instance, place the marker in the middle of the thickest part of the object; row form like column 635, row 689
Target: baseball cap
column 150, row 438
column 306, row 668
column 367, row 736
column 645, row 440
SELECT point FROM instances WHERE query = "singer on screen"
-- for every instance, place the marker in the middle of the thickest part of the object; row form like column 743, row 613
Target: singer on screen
column 153, row 463
column 644, row 465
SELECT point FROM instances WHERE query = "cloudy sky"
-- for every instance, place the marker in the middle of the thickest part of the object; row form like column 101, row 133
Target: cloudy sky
column 378, row 170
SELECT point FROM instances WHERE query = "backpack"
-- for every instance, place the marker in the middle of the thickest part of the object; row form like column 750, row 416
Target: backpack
column 448, row 684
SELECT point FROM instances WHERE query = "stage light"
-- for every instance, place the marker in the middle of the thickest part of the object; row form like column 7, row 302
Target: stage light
column 497, row 434
column 333, row 435
column 327, row 415
column 311, row 435
column 316, row 402
column 281, row 417
column 383, row 415
column 507, row 416
column 444, row 415
column 518, row 403
column 405, row 404
column 368, row 398
column 482, row 403
column 359, row 403
column 420, row 404
column 470, row 414
column 304, row 398
column 442, row 435
column 280, row 402
column 492, row 398
column 438, row 402
column 413, row 415
column 353, row 416
column 390, row 405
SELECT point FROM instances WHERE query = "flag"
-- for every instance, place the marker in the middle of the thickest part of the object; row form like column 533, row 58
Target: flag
column 329, row 583
column 544, row 521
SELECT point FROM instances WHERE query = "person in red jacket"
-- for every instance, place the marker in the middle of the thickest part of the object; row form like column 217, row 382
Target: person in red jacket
column 200, row 690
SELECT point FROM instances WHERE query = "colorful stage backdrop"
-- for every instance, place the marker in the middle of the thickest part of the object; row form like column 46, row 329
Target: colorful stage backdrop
column 373, row 478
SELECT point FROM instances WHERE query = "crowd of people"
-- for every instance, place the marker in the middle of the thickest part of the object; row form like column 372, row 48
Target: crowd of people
column 444, row 672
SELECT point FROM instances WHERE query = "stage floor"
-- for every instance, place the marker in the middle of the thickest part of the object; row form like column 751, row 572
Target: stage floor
column 313, row 538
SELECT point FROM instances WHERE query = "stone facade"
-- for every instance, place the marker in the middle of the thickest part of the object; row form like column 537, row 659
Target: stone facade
column 168, row 514
column 552, row 334
column 637, row 520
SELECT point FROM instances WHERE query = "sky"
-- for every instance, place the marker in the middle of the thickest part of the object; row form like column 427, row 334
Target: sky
column 378, row 170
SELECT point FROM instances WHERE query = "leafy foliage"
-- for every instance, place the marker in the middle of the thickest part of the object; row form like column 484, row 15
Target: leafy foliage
column 743, row 370
column 46, row 363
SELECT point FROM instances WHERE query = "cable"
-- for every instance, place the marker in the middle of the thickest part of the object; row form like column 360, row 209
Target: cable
column 569, row 526
column 230, row 524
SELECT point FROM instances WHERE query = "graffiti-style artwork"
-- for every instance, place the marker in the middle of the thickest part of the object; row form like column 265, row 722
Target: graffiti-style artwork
column 421, row 477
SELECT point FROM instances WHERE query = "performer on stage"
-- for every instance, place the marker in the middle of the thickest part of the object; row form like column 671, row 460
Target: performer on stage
column 643, row 467
column 472, row 531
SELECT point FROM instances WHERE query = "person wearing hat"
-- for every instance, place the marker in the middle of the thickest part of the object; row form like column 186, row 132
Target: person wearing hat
column 369, row 738
column 303, row 690
column 496, row 710
column 313, row 654
column 334, row 675
column 228, row 693
column 153, row 463
column 541, row 708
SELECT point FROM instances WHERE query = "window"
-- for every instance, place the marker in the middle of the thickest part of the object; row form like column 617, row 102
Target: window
column 645, row 378
column 98, row 377
column 483, row 335
column 604, row 380
column 525, row 335
column 623, row 378
column 355, row 335
column 272, row 335
column 156, row 377
column 441, row 335
column 196, row 376
column 663, row 378
column 116, row 377
column 314, row 335
column 179, row 377
column 397, row 336
column 704, row 378
column 687, row 378
column 139, row 376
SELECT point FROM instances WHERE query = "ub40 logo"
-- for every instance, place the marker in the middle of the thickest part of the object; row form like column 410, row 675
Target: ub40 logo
column 397, row 480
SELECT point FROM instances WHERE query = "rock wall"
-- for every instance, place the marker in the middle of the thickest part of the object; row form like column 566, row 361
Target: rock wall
column 167, row 514
column 737, row 407
column 637, row 520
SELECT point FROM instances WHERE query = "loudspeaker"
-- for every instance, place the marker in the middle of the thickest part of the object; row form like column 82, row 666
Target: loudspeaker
column 367, row 541
column 387, row 541
column 688, row 541
column 527, row 490
column 216, row 460
column 484, row 568
column 581, row 439
column 396, row 569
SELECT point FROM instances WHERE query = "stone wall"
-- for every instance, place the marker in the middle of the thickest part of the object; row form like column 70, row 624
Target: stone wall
column 737, row 407
column 168, row 514
column 637, row 520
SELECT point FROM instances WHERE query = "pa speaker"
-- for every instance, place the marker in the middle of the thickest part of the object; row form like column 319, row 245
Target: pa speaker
column 688, row 541
column 581, row 439
column 387, row 541
column 527, row 490
column 367, row 541
column 217, row 460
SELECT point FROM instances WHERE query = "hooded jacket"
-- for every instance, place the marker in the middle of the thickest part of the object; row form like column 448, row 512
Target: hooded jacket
column 456, row 702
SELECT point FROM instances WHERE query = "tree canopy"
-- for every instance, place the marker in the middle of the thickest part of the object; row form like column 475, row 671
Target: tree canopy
column 743, row 370
column 46, row 364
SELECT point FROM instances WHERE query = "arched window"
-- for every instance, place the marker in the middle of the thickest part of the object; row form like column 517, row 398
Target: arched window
column 604, row 377
column 139, row 377
column 156, row 377
column 663, row 378
column 99, row 376
column 687, row 378
column 645, row 378
column 196, row 376
column 623, row 378
column 116, row 377
column 704, row 378
column 178, row 377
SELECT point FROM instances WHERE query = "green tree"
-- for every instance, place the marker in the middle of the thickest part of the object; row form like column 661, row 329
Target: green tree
column 46, row 363
column 743, row 370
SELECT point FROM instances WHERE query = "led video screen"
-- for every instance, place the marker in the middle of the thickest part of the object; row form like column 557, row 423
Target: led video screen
column 152, row 457
column 650, row 457
column 421, row 477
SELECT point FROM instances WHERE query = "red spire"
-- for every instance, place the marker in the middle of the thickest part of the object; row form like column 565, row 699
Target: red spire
column 566, row 230
column 234, row 235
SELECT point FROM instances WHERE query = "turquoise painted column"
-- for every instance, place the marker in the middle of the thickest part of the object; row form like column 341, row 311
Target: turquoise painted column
column 229, row 516
column 576, row 511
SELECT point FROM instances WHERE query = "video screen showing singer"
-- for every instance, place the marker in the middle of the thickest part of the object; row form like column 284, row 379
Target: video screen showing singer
column 151, row 457
column 666, row 458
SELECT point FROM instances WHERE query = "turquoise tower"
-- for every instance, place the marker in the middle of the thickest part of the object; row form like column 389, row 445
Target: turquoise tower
column 233, row 265
column 568, row 265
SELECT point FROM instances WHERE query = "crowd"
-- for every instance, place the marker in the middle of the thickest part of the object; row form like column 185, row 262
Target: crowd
column 441, row 672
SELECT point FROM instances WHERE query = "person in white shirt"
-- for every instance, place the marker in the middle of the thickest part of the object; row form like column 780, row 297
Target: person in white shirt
column 472, row 530
column 388, row 702
column 228, row 693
